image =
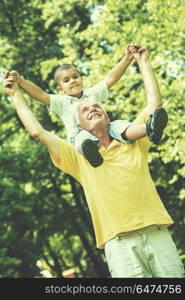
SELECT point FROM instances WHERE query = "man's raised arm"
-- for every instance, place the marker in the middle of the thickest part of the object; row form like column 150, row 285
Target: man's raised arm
column 30, row 122
column 150, row 82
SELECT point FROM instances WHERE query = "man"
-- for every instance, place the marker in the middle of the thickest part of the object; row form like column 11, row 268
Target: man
column 129, row 218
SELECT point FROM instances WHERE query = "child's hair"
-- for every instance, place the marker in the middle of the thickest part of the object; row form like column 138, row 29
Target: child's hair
column 63, row 67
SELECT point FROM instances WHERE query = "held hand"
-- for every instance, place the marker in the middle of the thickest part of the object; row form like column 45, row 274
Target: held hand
column 10, row 87
column 128, row 52
column 140, row 54
column 15, row 76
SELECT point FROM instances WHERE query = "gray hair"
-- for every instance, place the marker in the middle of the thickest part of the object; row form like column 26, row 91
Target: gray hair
column 76, row 113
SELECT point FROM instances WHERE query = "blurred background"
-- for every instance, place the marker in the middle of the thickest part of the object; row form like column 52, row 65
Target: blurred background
column 46, row 228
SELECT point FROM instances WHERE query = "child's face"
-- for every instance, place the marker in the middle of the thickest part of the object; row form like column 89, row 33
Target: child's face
column 70, row 82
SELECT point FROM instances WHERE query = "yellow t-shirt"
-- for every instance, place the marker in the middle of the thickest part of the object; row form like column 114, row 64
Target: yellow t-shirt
column 121, row 195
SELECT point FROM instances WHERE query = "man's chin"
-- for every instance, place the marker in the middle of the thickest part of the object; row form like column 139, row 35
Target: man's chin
column 96, row 122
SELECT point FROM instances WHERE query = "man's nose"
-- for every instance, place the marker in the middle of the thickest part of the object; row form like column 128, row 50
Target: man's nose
column 92, row 109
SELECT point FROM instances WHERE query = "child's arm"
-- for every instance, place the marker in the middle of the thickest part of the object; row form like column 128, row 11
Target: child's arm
column 31, row 89
column 116, row 73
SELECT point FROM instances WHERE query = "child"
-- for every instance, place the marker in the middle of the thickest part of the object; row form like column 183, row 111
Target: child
column 70, row 82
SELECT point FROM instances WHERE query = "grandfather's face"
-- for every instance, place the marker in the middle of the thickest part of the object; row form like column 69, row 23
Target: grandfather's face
column 90, row 115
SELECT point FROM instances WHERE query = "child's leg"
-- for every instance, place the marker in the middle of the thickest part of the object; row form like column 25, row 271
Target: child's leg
column 87, row 144
column 117, row 130
column 156, row 124
column 80, row 138
column 135, row 132
column 123, row 130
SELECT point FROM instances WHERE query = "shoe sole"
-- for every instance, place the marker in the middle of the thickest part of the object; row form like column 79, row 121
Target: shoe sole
column 159, row 122
column 91, row 153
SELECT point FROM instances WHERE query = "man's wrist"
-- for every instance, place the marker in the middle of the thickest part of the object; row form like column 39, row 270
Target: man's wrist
column 16, row 94
column 21, row 81
column 144, row 62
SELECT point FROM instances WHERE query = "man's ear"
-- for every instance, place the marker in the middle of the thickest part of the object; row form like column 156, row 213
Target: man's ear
column 108, row 119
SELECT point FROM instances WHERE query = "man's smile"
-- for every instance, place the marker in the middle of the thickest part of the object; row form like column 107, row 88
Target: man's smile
column 94, row 116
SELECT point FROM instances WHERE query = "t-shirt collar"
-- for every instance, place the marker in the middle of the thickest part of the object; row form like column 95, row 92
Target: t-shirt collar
column 113, row 144
column 72, row 99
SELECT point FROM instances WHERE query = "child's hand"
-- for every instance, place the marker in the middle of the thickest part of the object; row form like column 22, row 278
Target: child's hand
column 16, row 76
column 139, row 53
column 128, row 52
column 11, row 77
column 9, row 85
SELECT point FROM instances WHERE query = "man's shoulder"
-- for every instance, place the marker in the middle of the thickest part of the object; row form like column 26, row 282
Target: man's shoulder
column 142, row 117
column 67, row 158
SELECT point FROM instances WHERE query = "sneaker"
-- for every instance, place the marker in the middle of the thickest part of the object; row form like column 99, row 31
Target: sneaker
column 156, row 124
column 91, row 153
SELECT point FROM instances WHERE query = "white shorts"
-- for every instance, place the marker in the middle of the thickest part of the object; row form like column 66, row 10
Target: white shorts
column 147, row 253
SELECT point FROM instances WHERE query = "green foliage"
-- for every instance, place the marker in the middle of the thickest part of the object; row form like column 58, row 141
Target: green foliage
column 43, row 212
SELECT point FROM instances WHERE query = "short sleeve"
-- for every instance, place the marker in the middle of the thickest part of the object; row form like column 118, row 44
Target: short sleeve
column 142, row 118
column 100, row 91
column 68, row 163
column 56, row 104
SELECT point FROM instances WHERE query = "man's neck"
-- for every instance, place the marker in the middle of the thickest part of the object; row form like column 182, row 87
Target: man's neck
column 103, row 136
column 106, row 141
